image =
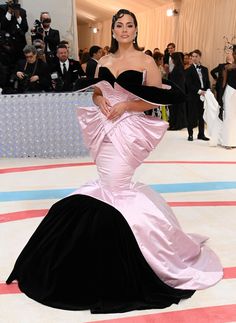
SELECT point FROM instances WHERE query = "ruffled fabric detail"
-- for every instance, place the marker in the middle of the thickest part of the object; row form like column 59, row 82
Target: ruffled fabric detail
column 134, row 134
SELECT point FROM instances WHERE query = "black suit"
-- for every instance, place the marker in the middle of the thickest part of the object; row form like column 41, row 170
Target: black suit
column 177, row 112
column 91, row 68
column 166, row 58
column 51, row 40
column 67, row 80
column 39, row 68
column 194, row 104
column 17, row 31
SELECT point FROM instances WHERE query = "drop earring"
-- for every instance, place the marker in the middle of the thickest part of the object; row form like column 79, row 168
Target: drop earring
column 113, row 35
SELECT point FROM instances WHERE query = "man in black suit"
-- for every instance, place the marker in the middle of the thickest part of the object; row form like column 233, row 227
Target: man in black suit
column 95, row 53
column 51, row 37
column 197, row 82
column 13, row 21
column 65, row 71
column 167, row 61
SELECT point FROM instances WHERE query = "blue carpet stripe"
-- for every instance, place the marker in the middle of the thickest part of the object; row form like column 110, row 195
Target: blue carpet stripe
column 162, row 188
column 193, row 187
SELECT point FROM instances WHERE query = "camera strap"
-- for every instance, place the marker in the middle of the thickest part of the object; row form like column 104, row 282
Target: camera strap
column 35, row 67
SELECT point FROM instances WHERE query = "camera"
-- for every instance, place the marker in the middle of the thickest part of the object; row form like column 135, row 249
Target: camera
column 58, row 82
column 22, row 85
column 38, row 27
column 5, row 38
column 39, row 48
column 6, row 48
column 13, row 4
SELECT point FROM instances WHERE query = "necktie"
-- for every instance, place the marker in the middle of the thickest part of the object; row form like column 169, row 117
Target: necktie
column 198, row 68
column 64, row 69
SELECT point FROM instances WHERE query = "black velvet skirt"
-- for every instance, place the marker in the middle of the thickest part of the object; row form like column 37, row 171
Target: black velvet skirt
column 83, row 255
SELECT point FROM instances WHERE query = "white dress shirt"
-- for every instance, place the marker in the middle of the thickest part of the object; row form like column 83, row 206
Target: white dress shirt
column 66, row 63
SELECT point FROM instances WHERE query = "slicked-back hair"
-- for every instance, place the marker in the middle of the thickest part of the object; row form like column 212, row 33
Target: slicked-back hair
column 114, row 43
column 196, row 51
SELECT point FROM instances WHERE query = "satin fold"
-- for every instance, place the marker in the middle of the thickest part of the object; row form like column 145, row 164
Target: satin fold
column 180, row 260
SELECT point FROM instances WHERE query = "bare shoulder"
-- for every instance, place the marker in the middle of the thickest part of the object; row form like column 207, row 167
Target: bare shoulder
column 143, row 57
column 104, row 60
column 148, row 61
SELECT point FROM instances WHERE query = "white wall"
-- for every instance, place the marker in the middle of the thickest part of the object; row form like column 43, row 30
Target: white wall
column 63, row 16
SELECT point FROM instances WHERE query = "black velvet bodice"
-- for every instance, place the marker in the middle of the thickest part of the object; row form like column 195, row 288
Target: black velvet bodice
column 129, row 76
column 231, row 78
column 132, row 81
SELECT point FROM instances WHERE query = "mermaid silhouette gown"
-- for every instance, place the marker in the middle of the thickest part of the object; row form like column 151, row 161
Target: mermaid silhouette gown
column 115, row 245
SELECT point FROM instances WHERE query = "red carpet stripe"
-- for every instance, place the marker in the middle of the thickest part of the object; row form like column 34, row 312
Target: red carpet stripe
column 202, row 203
column 42, row 167
column 213, row 314
column 210, row 162
column 27, row 214
column 9, row 289
column 21, row 215
column 229, row 273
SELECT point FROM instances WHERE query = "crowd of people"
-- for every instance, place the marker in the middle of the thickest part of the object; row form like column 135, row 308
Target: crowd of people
column 114, row 245
column 45, row 65
column 186, row 70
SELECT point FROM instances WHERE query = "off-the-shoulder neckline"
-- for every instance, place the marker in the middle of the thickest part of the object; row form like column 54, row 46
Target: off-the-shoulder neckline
column 116, row 77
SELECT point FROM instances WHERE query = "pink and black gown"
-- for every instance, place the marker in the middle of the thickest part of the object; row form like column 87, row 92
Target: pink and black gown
column 115, row 245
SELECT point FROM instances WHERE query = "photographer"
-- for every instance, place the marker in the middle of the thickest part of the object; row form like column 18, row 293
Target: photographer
column 40, row 47
column 32, row 73
column 14, row 23
column 66, row 71
column 51, row 37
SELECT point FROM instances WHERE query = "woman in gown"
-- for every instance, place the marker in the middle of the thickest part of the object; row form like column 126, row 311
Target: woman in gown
column 228, row 135
column 115, row 245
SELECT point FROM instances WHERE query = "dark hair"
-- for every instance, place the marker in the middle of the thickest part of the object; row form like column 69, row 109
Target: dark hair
column 44, row 13
column 118, row 15
column 234, row 48
column 187, row 54
column 84, row 58
column 196, row 51
column 64, row 42
column 148, row 52
column 171, row 44
column 158, row 56
column 93, row 50
column 177, row 58
column 62, row 46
